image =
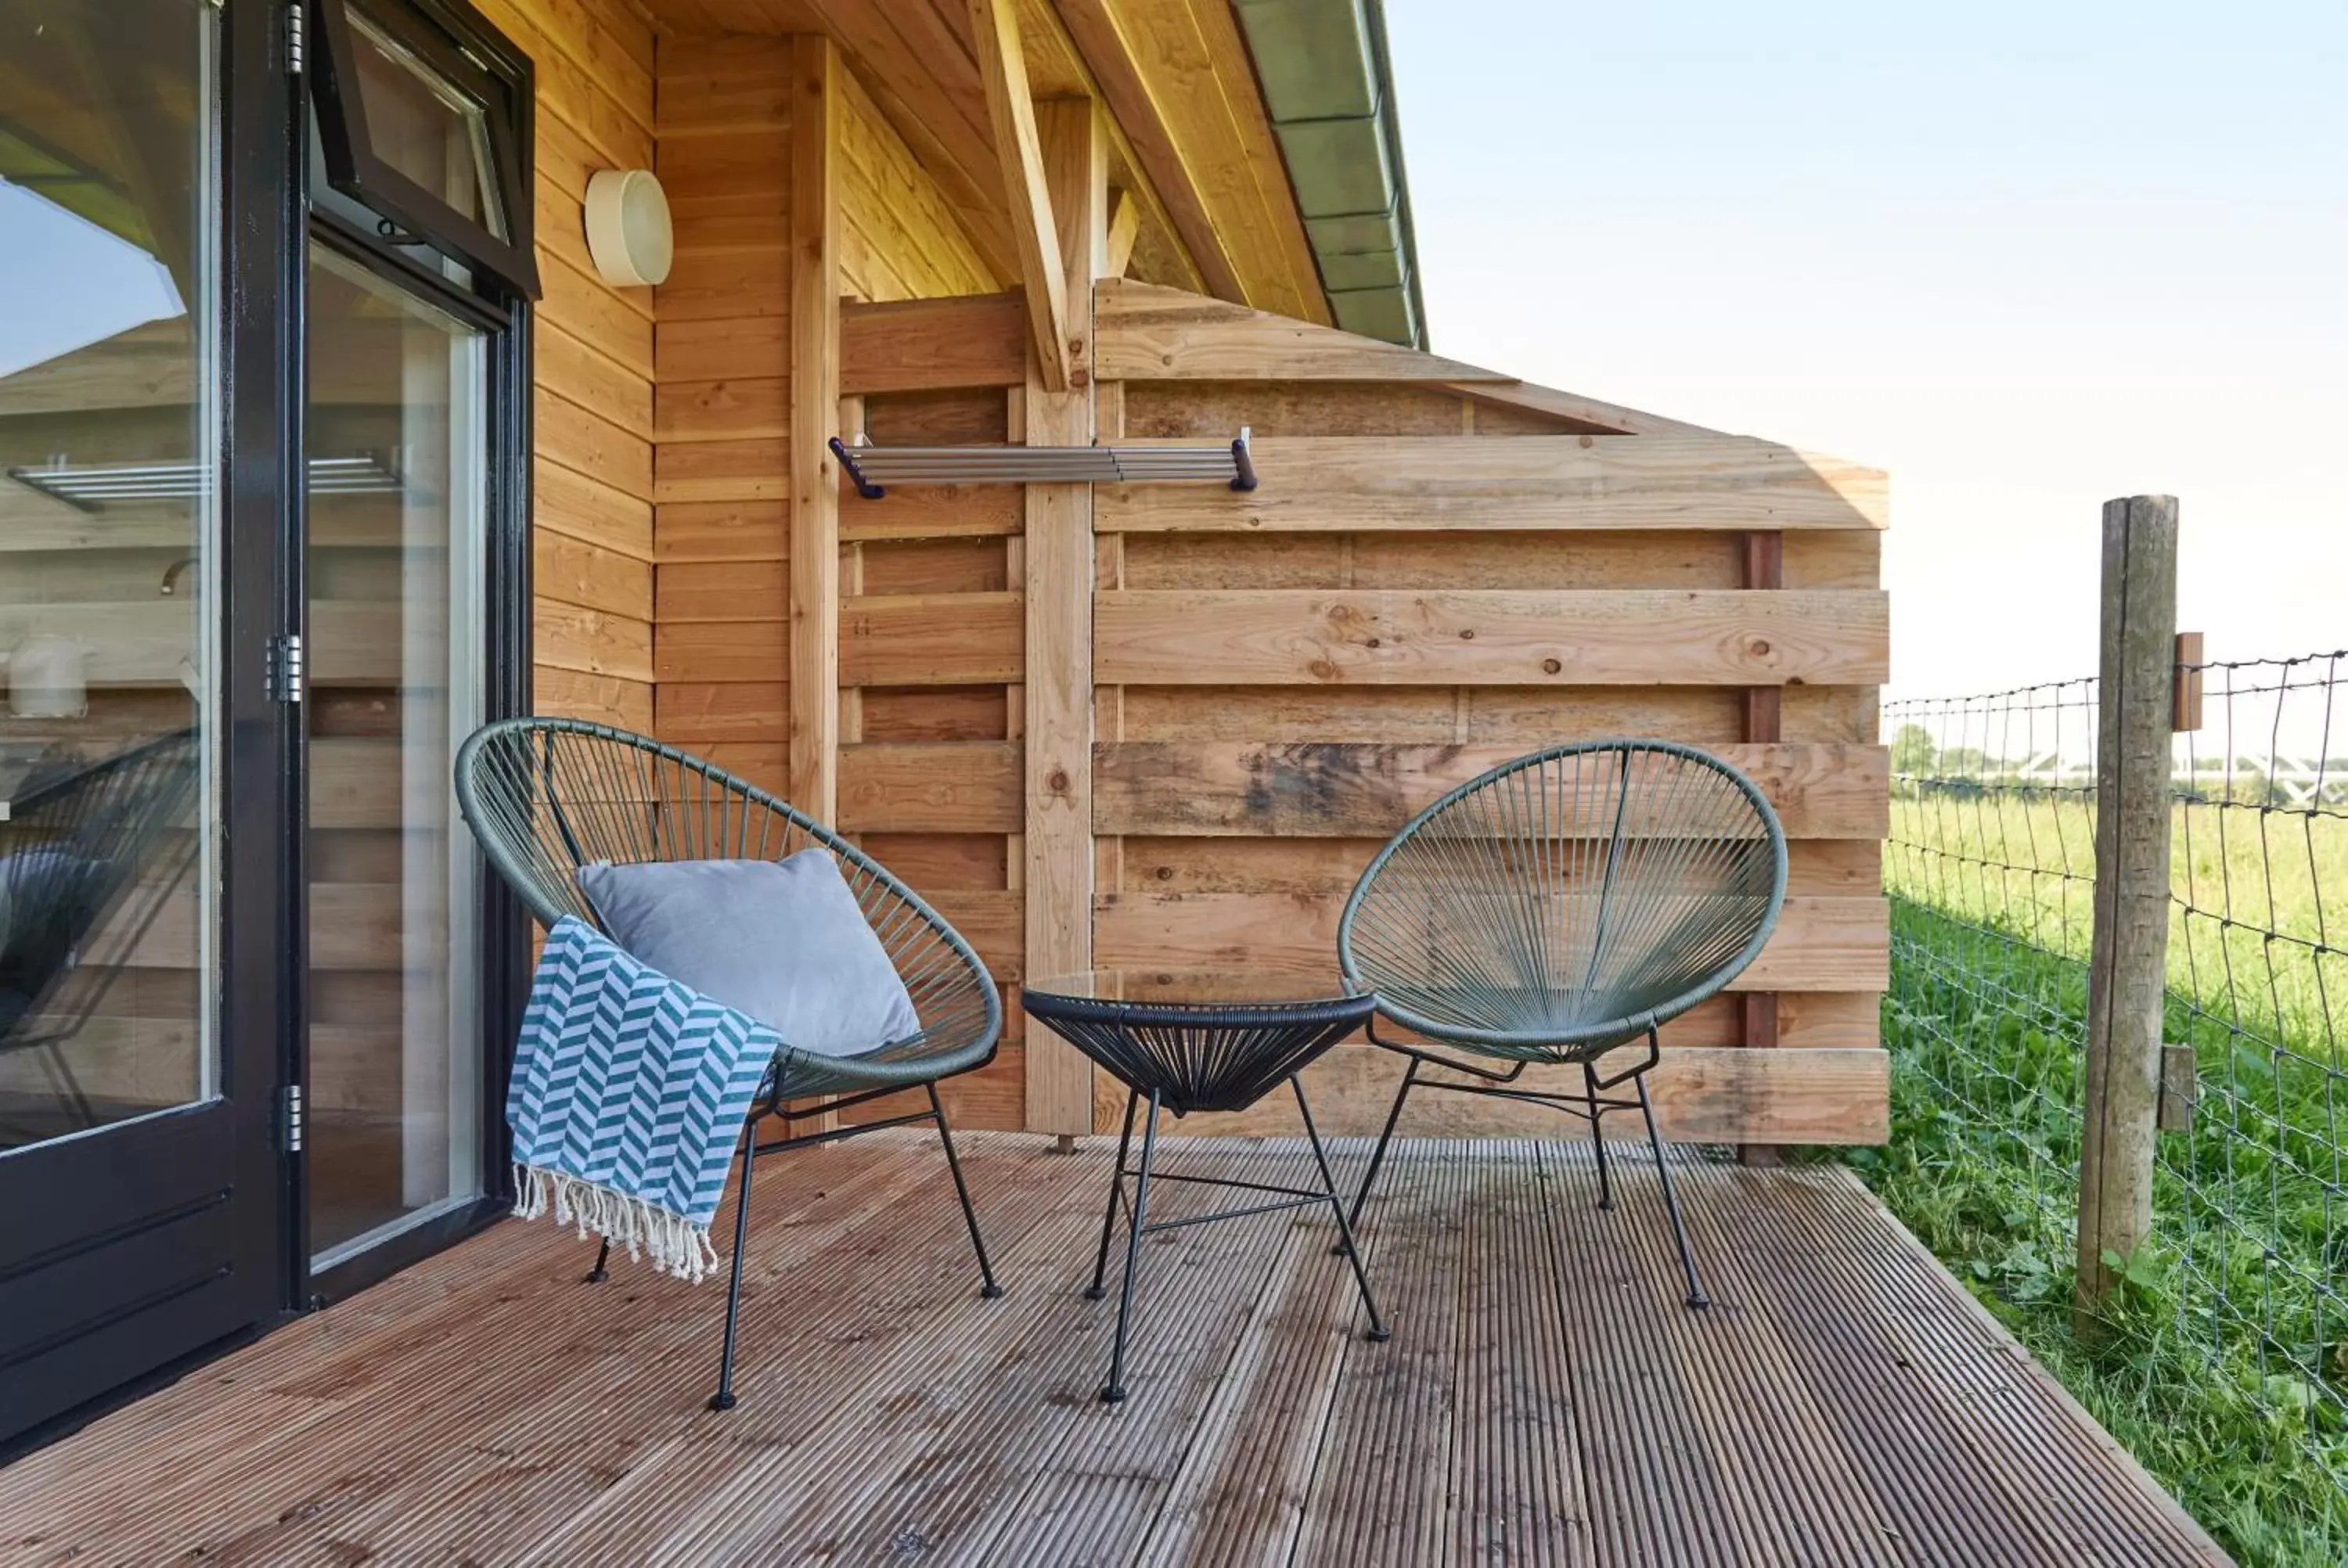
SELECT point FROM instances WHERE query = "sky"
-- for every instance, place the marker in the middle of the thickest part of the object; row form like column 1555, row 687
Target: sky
column 2026, row 258
column 90, row 284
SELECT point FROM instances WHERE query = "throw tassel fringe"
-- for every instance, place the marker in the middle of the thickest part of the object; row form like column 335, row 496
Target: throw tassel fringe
column 674, row 1244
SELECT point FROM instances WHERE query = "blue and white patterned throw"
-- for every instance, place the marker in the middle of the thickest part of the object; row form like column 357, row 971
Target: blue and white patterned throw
column 628, row 1097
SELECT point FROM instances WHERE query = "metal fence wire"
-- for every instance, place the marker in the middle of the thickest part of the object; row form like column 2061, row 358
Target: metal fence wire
column 1990, row 868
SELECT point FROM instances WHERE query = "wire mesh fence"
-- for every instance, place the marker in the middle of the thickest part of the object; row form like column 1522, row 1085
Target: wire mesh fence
column 1992, row 870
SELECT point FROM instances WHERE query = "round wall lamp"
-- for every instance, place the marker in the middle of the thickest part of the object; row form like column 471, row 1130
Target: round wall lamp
column 627, row 227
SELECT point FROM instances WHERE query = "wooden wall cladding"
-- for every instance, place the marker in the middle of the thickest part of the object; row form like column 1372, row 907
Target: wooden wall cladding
column 931, row 651
column 722, row 416
column 594, row 425
column 1424, row 586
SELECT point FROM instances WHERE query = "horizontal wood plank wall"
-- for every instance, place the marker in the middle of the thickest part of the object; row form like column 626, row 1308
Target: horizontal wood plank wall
column 1428, row 584
column 722, row 406
column 899, row 236
column 931, row 649
column 593, row 460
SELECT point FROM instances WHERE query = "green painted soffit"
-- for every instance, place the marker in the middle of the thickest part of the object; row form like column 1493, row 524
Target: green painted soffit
column 1323, row 66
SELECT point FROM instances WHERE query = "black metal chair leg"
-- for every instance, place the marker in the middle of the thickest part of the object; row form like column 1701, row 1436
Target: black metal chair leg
column 1114, row 1390
column 1598, row 1136
column 1378, row 1154
column 1097, row 1288
column 988, row 1287
column 724, row 1398
column 599, row 1273
column 1696, row 1296
column 1378, row 1329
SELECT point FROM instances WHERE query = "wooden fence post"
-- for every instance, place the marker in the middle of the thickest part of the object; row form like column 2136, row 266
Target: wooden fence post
column 2128, row 975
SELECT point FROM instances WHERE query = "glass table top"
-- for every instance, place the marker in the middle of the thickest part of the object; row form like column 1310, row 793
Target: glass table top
column 1199, row 987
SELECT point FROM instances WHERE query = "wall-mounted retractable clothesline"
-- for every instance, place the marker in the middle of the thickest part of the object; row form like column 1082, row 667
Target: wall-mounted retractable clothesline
column 874, row 468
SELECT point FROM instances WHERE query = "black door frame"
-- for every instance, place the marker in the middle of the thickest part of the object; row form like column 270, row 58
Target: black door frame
column 236, row 1136
column 504, row 321
column 261, row 159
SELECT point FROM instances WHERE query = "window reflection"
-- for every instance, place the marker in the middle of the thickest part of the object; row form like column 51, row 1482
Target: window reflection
column 396, row 430
column 106, row 523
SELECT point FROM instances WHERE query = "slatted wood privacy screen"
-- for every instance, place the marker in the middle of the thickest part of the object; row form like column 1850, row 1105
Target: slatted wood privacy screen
column 1438, row 573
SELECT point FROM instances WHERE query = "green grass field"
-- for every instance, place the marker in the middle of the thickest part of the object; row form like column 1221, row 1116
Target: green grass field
column 2225, row 1369
column 2027, row 862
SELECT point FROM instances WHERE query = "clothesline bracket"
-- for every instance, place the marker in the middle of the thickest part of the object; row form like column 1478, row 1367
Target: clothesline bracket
column 872, row 469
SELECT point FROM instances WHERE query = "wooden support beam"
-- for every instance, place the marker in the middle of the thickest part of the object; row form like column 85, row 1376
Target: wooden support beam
column 814, row 397
column 1102, row 35
column 1763, row 562
column 910, row 64
column 1176, row 74
column 1058, row 567
column 1034, row 231
column 1124, row 229
column 2128, row 966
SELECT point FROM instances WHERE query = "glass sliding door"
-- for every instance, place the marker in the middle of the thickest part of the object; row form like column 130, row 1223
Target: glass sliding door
column 398, row 437
column 109, row 562
column 140, row 1178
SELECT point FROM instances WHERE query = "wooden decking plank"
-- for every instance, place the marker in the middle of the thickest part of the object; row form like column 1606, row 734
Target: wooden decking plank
column 1545, row 1399
column 2054, row 1466
column 1865, row 1385
column 302, row 1377
column 1945, row 1459
column 167, row 1504
column 1648, row 1467
column 638, row 1339
column 569, row 1466
column 1101, row 1490
column 1521, row 1482
column 872, row 1423
column 1244, row 1477
column 180, row 1426
column 410, row 1399
column 2022, row 1533
column 1794, row 1495
column 1380, row 1491
column 900, row 1293
column 835, row 1486
column 2099, row 1455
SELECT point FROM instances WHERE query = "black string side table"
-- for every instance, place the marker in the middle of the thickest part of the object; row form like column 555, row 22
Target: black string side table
column 1184, row 1042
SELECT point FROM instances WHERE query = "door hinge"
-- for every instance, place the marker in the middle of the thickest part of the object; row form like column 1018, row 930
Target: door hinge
column 285, row 668
column 293, row 1119
column 295, row 50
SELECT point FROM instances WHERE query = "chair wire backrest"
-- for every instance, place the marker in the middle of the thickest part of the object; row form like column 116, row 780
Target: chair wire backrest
column 546, row 797
column 1570, row 897
column 88, row 857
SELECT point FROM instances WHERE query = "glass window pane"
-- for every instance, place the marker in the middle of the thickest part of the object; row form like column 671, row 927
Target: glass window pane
column 108, row 598
column 424, row 125
column 398, row 437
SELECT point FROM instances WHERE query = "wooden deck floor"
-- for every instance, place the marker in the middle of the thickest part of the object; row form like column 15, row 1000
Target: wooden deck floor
column 1545, row 1398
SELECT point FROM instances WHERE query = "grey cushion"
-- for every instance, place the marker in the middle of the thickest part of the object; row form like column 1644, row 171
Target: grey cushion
column 782, row 941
